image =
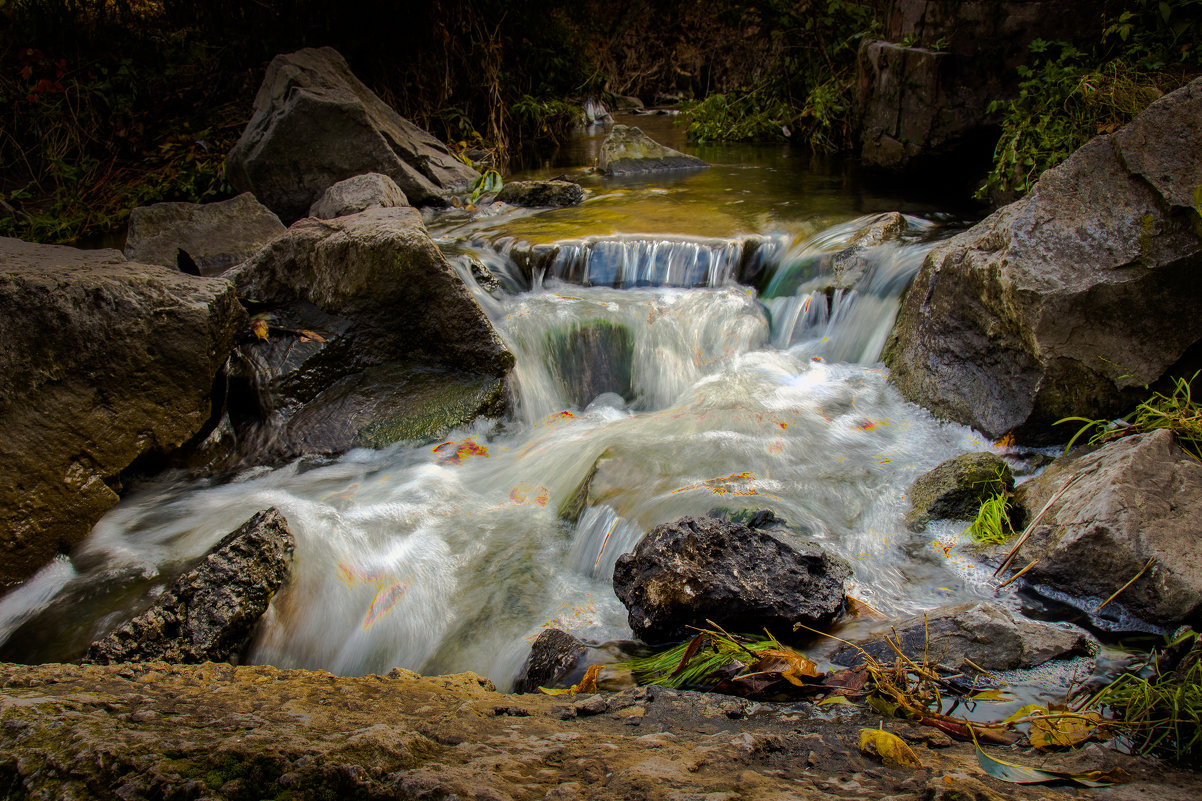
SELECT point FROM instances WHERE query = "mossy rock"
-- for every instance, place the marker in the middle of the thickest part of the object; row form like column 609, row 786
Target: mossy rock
column 956, row 488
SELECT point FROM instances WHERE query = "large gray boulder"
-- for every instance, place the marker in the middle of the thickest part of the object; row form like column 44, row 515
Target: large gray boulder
column 986, row 635
column 1135, row 499
column 210, row 613
column 200, row 238
column 362, row 192
column 1071, row 300
column 101, row 362
column 629, row 151
column 698, row 569
column 402, row 350
column 314, row 124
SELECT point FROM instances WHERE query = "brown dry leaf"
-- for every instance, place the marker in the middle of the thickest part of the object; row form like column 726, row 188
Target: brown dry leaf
column 890, row 748
column 587, row 684
column 259, row 327
column 1065, row 731
column 857, row 608
column 306, row 334
column 792, row 666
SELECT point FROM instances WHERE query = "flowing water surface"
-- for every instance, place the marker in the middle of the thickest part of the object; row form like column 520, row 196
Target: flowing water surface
column 649, row 384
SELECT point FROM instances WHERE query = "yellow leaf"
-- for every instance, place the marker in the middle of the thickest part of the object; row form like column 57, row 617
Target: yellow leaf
column 890, row 748
column 1064, row 731
column 259, row 327
column 991, row 695
column 1024, row 711
column 587, row 684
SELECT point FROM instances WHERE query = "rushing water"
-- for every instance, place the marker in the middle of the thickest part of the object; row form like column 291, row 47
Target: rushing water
column 646, row 377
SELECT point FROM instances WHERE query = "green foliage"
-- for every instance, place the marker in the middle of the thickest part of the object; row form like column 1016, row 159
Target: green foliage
column 1177, row 411
column 702, row 666
column 805, row 94
column 992, row 524
column 488, row 183
column 1161, row 713
column 1067, row 95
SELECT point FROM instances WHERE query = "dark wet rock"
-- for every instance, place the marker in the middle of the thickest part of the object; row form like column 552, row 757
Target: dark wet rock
column 629, row 151
column 849, row 266
column 353, row 195
column 1136, row 499
column 1070, row 301
column 761, row 519
column 315, row 124
column 103, row 361
column 554, row 193
column 211, row 611
column 200, row 238
column 626, row 103
column 955, row 488
column 553, row 655
column 696, row 569
column 574, row 504
column 405, row 351
column 987, row 635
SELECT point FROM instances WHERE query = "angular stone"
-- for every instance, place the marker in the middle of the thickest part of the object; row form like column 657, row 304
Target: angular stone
column 987, row 635
column 696, row 569
column 553, row 655
column 404, row 351
column 1067, row 302
column 102, row 361
column 314, row 124
column 554, row 193
column 370, row 191
column 211, row 611
column 200, row 238
column 629, row 151
column 956, row 487
column 1135, row 499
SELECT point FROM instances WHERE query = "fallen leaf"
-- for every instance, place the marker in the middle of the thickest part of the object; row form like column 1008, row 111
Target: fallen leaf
column 313, row 335
column 587, row 684
column 259, row 327
column 835, row 700
column 689, row 653
column 890, row 748
column 991, row 696
column 1024, row 711
column 792, row 666
column 1021, row 774
column 1063, row 731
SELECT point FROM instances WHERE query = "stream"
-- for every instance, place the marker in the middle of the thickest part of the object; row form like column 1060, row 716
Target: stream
column 648, row 381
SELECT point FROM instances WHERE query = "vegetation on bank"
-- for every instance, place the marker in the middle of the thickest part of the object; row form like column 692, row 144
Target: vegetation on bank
column 1069, row 95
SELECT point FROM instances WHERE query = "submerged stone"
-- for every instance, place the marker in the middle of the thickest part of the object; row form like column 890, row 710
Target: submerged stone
column 629, row 151
column 592, row 357
column 553, row 655
column 696, row 569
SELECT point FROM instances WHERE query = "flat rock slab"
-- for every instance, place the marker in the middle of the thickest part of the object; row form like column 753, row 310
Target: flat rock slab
column 103, row 361
column 987, row 635
column 536, row 194
column 200, row 238
column 213, row 731
column 1135, row 499
column 698, row 569
column 629, row 151
column 211, row 611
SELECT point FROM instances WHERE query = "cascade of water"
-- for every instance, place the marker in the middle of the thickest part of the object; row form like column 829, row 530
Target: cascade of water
column 643, row 403
column 635, row 261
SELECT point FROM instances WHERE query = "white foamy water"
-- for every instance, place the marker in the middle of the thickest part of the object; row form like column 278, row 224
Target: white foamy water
column 451, row 556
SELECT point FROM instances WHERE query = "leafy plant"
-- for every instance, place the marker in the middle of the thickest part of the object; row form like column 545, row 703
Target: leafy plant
column 1160, row 712
column 992, row 524
column 488, row 183
column 1177, row 411
column 1069, row 95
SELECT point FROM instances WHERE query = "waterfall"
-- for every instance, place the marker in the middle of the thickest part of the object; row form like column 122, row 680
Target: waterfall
column 649, row 384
